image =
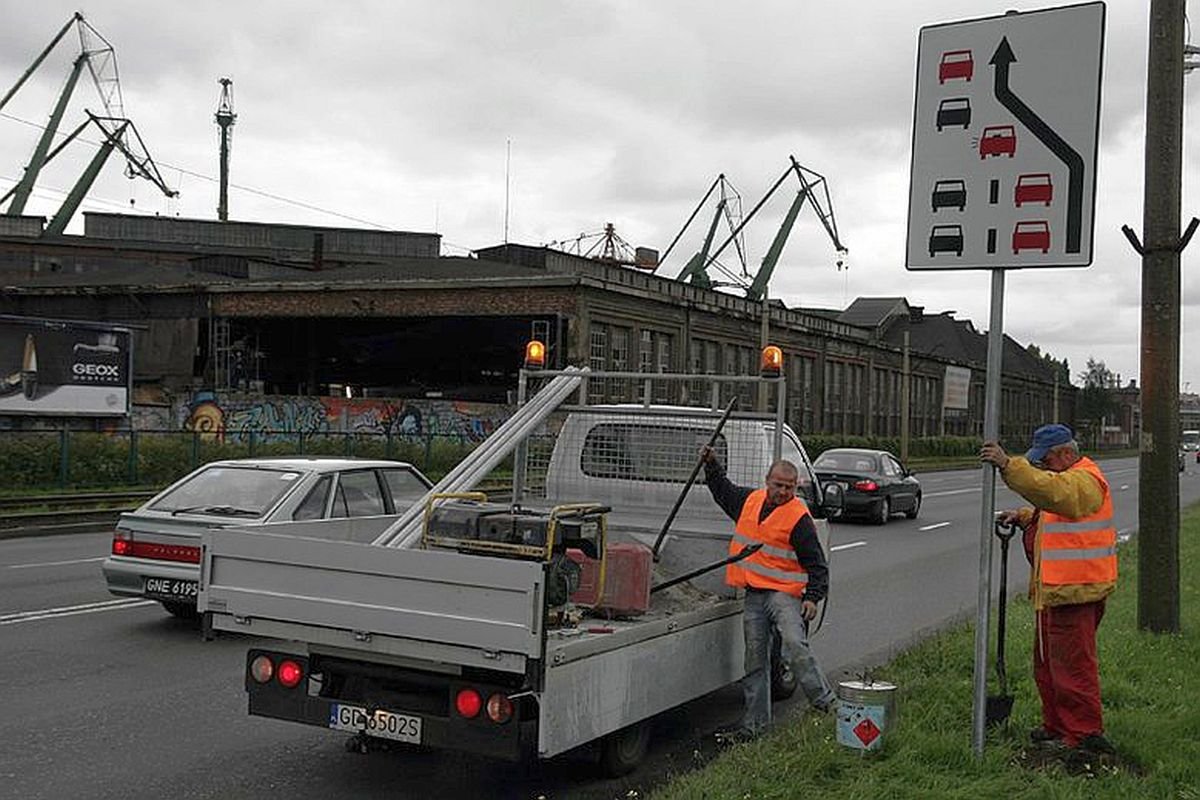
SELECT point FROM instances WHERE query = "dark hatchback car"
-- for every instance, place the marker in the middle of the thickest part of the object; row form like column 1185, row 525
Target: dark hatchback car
column 874, row 483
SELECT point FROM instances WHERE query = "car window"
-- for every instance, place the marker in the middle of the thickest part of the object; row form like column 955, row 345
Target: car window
column 865, row 465
column 890, row 467
column 313, row 506
column 358, row 495
column 405, row 485
column 224, row 490
column 642, row 452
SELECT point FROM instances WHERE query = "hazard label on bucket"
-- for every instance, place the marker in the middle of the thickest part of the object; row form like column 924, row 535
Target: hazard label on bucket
column 861, row 727
column 867, row 731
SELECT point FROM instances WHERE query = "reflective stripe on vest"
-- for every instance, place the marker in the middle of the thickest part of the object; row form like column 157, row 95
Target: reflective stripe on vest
column 1079, row 551
column 775, row 566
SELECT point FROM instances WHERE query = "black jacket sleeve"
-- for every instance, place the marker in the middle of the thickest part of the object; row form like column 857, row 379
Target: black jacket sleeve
column 812, row 558
column 727, row 495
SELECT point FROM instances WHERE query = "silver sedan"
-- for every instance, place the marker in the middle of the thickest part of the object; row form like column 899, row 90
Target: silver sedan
column 156, row 549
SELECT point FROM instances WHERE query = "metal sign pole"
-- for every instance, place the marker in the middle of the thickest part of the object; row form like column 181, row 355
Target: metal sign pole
column 987, row 508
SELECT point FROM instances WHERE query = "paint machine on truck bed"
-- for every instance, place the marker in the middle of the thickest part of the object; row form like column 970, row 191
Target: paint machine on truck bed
column 528, row 628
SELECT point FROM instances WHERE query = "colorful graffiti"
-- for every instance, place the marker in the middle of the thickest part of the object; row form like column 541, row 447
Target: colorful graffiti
column 236, row 418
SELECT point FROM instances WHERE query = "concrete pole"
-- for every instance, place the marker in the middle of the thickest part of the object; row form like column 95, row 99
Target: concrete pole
column 1158, row 483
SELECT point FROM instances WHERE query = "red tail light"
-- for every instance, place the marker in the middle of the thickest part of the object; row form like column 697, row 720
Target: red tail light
column 468, row 703
column 125, row 545
column 290, row 674
column 866, row 486
column 499, row 709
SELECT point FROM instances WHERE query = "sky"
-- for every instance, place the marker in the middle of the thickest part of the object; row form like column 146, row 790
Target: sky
column 547, row 119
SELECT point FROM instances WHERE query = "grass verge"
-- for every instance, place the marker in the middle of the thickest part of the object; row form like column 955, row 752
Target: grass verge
column 1151, row 713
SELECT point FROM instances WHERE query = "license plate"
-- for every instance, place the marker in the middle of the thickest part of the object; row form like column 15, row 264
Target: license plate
column 172, row 588
column 382, row 724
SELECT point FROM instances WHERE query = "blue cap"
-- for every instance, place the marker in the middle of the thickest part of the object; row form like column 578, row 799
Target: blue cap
column 1047, row 437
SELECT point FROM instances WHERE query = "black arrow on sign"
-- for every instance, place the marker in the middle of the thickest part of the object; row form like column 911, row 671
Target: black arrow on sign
column 1001, row 60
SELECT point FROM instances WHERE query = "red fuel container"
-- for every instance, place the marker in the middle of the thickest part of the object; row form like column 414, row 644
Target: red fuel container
column 627, row 576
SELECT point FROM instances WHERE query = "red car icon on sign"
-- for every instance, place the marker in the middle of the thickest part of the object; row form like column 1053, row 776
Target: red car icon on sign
column 1033, row 188
column 1031, row 235
column 998, row 140
column 956, row 64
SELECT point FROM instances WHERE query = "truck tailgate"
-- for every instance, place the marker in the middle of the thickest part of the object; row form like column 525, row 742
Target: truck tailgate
column 427, row 605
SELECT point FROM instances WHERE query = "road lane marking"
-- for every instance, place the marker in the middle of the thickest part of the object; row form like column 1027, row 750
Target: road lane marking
column 55, row 563
column 953, row 491
column 1124, row 486
column 934, row 526
column 71, row 611
column 847, row 546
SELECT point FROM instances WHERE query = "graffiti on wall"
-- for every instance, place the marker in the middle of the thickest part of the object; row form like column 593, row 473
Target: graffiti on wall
column 235, row 418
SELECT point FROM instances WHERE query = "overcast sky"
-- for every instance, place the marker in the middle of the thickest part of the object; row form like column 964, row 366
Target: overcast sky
column 402, row 115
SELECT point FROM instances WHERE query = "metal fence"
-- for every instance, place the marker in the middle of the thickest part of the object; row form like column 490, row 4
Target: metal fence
column 63, row 459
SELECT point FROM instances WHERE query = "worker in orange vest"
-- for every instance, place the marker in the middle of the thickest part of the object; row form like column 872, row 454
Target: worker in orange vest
column 783, row 581
column 1071, row 543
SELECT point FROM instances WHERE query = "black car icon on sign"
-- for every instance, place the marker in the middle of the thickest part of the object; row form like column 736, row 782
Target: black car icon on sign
column 946, row 239
column 954, row 111
column 951, row 193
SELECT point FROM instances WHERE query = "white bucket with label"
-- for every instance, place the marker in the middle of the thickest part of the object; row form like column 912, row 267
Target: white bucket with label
column 867, row 709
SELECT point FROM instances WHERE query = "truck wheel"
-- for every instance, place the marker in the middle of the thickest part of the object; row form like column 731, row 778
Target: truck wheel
column 181, row 610
column 622, row 751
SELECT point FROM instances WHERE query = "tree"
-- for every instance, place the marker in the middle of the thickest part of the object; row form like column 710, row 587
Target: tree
column 1096, row 399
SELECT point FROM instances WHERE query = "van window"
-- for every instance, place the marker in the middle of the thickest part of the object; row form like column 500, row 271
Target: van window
column 640, row 452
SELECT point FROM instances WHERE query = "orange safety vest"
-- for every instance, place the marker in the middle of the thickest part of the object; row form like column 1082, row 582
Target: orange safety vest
column 1076, row 557
column 775, row 566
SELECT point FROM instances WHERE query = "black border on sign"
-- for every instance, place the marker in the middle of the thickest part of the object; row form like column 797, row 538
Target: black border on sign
column 1095, row 154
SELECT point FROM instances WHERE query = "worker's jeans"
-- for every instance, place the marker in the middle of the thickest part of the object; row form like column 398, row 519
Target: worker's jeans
column 764, row 609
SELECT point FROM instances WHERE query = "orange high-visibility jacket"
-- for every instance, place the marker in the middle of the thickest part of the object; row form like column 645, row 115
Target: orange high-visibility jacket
column 775, row 566
column 1075, row 558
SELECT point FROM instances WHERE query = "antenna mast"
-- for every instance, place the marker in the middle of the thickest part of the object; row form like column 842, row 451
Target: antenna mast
column 225, row 119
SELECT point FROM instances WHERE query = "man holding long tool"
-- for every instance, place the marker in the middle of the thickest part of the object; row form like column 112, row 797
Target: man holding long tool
column 1071, row 543
column 784, row 582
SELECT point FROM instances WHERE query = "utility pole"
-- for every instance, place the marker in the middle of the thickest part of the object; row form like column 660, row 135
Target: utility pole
column 225, row 119
column 1158, row 490
column 905, row 376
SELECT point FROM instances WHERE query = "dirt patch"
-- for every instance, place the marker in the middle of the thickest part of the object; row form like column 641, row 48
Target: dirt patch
column 1073, row 761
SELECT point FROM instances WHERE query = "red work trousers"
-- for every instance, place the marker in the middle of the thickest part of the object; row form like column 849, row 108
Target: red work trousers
column 1067, row 671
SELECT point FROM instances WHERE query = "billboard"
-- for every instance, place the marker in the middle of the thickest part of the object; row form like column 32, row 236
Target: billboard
column 956, row 388
column 64, row 368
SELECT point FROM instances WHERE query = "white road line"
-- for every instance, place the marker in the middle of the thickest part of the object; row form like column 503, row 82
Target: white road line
column 55, row 563
column 847, row 546
column 1124, row 486
column 953, row 491
column 66, row 611
column 933, row 527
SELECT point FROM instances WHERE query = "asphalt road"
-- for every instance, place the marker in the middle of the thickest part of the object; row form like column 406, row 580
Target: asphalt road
column 108, row 697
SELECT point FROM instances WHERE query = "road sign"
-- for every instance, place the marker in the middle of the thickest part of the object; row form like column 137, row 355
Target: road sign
column 1005, row 136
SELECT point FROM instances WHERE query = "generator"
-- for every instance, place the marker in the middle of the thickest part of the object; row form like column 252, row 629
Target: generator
column 468, row 523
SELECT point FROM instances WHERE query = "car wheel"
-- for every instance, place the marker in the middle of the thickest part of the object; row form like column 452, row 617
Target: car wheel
column 882, row 512
column 916, row 509
column 181, row 610
column 622, row 751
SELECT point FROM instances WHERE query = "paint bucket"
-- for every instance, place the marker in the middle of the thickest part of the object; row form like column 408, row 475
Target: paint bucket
column 866, row 710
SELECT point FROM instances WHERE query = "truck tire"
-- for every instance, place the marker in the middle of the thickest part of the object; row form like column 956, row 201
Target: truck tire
column 783, row 680
column 622, row 751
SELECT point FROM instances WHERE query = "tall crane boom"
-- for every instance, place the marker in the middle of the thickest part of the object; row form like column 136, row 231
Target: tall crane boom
column 225, row 119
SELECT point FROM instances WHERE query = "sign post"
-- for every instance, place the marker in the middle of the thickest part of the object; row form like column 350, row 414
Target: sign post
column 1005, row 139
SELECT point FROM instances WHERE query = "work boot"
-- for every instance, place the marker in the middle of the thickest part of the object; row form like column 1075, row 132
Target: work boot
column 1096, row 744
column 1040, row 735
column 735, row 734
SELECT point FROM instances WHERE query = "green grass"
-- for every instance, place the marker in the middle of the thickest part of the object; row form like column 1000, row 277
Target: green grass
column 1151, row 711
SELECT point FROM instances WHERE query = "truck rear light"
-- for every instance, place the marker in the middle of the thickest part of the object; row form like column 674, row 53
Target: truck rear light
column 468, row 703
column 122, row 543
column 290, row 674
column 499, row 709
column 866, row 486
column 261, row 669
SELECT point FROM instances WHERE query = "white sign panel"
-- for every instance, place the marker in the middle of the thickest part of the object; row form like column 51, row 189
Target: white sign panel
column 956, row 388
column 1005, row 136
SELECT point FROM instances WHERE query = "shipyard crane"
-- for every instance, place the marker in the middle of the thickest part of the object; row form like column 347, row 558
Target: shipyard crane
column 729, row 208
column 118, row 132
column 813, row 188
column 225, row 118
